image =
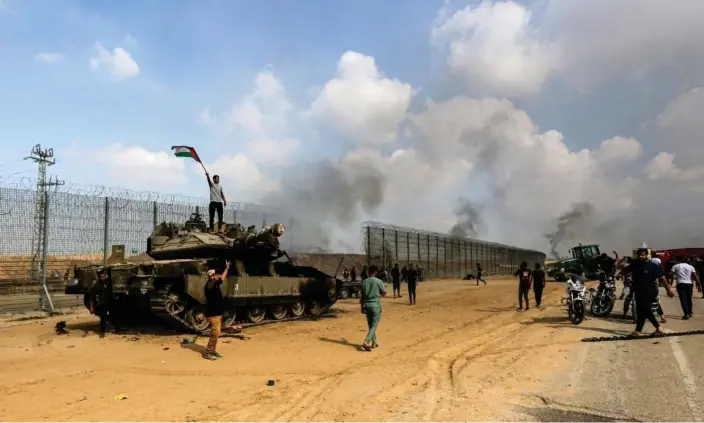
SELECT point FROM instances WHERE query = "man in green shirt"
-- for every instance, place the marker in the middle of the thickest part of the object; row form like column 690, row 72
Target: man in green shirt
column 372, row 291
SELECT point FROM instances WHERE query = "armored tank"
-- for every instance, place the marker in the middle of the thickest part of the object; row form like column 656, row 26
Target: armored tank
column 259, row 287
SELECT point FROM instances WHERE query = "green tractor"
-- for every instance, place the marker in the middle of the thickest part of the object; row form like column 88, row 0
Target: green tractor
column 583, row 261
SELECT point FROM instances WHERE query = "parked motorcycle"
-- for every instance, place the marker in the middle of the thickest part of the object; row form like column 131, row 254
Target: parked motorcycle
column 576, row 298
column 603, row 301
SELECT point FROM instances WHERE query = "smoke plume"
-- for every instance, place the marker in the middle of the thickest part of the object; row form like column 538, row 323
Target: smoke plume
column 469, row 219
column 570, row 225
column 326, row 196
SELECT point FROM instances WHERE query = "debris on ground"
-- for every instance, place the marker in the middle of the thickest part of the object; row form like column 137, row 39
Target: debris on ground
column 61, row 328
column 121, row 397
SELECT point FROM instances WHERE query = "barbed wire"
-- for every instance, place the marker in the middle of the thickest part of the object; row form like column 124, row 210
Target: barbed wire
column 27, row 183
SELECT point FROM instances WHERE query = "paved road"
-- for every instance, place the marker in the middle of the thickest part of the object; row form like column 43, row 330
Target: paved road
column 647, row 379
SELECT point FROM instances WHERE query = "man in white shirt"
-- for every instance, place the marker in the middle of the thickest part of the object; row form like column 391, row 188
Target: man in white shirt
column 217, row 200
column 684, row 274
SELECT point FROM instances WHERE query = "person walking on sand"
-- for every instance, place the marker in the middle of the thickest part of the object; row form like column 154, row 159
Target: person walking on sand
column 645, row 276
column 524, row 279
column 538, row 284
column 685, row 274
column 480, row 274
column 372, row 291
column 214, row 309
column 396, row 280
column 101, row 302
column 411, row 278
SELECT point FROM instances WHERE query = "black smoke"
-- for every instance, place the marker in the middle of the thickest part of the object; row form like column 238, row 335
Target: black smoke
column 570, row 225
column 469, row 219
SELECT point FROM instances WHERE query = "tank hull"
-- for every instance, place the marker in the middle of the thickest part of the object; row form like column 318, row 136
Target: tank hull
column 173, row 291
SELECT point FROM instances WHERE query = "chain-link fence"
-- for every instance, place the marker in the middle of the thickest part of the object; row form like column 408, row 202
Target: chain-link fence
column 82, row 224
column 441, row 255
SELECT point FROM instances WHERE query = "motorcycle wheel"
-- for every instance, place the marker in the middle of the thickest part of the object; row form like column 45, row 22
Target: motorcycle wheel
column 578, row 316
column 595, row 307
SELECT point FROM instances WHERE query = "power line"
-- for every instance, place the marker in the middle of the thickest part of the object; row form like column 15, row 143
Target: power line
column 43, row 158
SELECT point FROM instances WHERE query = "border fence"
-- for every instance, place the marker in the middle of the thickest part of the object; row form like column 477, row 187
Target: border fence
column 441, row 255
column 81, row 225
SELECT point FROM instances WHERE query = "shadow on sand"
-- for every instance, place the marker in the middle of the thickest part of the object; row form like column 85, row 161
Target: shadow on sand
column 341, row 341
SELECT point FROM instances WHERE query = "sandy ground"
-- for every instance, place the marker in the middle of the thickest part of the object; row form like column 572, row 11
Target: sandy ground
column 462, row 353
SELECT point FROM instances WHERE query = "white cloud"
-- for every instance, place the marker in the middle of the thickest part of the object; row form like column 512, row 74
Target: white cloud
column 119, row 63
column 263, row 109
column 494, row 49
column 272, row 152
column 625, row 39
column 360, row 103
column 240, row 177
column 205, row 118
column 49, row 57
column 619, row 149
column 662, row 166
column 136, row 167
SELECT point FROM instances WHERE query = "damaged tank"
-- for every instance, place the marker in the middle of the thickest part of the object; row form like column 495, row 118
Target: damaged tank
column 259, row 287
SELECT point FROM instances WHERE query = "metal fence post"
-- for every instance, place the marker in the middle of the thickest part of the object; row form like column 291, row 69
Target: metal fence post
column 45, row 247
column 427, row 244
column 437, row 255
column 369, row 243
column 106, row 230
column 155, row 218
column 408, row 247
column 383, row 247
column 444, row 247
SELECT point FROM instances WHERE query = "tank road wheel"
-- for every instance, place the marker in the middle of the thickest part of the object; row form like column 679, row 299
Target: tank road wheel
column 278, row 312
column 173, row 304
column 256, row 314
column 344, row 293
column 196, row 317
column 314, row 308
column 298, row 309
column 229, row 318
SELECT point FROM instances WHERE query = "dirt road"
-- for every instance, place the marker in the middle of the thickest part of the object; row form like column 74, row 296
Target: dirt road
column 462, row 353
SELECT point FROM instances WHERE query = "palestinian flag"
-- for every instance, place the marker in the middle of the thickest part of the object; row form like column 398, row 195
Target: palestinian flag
column 185, row 151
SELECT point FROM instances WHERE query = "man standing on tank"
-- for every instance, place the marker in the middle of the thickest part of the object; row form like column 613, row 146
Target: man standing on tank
column 372, row 291
column 217, row 200
column 396, row 279
column 214, row 309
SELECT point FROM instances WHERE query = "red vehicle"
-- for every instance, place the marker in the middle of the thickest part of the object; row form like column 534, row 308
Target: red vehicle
column 666, row 255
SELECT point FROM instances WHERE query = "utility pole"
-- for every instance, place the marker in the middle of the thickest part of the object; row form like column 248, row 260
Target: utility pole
column 43, row 158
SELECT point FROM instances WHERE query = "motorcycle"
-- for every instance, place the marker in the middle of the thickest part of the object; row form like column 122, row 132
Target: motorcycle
column 603, row 301
column 576, row 299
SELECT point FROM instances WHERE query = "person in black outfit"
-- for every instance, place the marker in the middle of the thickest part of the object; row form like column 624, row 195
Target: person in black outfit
column 396, row 279
column 645, row 276
column 524, row 278
column 101, row 301
column 353, row 274
column 214, row 309
column 480, row 274
column 364, row 273
column 538, row 284
column 411, row 277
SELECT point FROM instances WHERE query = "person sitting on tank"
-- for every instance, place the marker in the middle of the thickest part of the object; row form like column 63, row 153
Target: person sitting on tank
column 214, row 309
column 101, row 301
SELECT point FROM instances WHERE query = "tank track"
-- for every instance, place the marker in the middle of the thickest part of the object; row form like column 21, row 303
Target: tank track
column 631, row 337
column 158, row 307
